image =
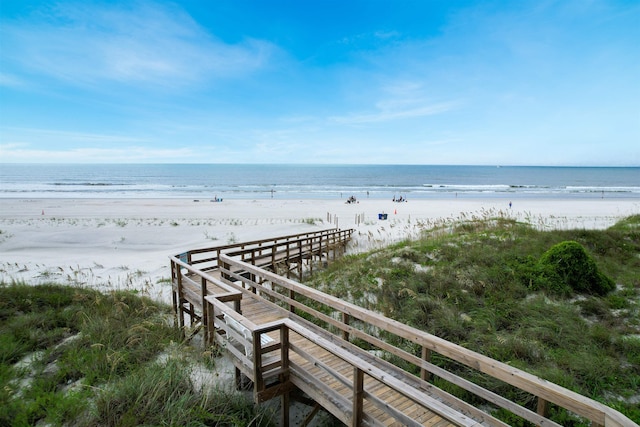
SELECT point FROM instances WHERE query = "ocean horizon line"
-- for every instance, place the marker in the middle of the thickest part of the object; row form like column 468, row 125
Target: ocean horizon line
column 323, row 164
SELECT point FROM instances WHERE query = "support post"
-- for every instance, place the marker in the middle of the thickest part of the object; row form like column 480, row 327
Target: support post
column 311, row 254
column 284, row 376
column 358, row 394
column 543, row 407
column 258, row 379
column 238, row 378
column 300, row 260
column 287, row 262
column 292, row 295
column 176, row 308
column 346, row 319
column 426, row 355
column 179, row 292
column 209, row 332
column 205, row 314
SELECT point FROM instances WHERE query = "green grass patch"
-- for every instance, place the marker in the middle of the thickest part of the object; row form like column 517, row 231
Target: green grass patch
column 563, row 305
column 75, row 356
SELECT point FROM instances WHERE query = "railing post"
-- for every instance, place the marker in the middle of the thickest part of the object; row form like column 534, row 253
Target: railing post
column 292, row 295
column 177, row 296
column 284, row 377
column 543, row 407
column 358, row 394
column 258, row 380
column 205, row 315
column 209, row 332
column 346, row 319
column 426, row 356
column 300, row 260
column 221, row 266
column 311, row 255
column 333, row 243
column 252, row 276
column 286, row 262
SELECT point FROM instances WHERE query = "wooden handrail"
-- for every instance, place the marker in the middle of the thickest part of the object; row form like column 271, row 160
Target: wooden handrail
column 381, row 376
column 266, row 251
column 581, row 405
column 259, row 243
column 360, row 366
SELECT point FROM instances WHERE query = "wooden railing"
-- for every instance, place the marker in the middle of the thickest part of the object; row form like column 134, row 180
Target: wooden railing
column 349, row 321
column 190, row 289
column 262, row 366
column 265, row 249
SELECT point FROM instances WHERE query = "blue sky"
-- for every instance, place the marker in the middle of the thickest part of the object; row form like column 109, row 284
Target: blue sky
column 335, row 81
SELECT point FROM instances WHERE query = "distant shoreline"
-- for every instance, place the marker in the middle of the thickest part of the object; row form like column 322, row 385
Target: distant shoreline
column 332, row 196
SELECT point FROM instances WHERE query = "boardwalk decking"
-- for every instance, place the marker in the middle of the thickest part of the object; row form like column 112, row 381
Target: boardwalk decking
column 288, row 339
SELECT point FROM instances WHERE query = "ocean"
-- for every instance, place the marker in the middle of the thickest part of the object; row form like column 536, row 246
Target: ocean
column 262, row 181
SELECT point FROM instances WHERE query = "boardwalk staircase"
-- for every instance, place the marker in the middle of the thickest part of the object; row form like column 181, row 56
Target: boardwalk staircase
column 294, row 342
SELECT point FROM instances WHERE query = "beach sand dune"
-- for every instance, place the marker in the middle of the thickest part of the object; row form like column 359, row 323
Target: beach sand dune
column 125, row 243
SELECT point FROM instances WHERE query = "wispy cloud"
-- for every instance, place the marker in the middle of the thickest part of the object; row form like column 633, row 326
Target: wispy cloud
column 10, row 80
column 21, row 153
column 65, row 137
column 397, row 100
column 395, row 114
column 146, row 43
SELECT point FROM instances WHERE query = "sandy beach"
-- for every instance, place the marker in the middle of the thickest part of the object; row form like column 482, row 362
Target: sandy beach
column 125, row 243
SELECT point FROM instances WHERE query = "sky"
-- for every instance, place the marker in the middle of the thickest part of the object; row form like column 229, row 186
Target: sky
column 529, row 82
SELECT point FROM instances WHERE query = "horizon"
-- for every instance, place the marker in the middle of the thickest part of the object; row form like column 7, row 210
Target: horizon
column 328, row 83
column 313, row 164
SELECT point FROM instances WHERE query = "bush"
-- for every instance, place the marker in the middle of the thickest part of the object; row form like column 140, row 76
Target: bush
column 567, row 267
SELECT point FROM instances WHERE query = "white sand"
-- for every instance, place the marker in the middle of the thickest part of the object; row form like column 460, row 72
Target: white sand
column 125, row 243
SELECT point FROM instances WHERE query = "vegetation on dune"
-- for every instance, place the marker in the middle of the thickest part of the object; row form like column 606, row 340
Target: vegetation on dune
column 567, row 267
column 70, row 355
column 563, row 305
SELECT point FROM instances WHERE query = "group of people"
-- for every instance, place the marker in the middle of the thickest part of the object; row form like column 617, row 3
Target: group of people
column 352, row 199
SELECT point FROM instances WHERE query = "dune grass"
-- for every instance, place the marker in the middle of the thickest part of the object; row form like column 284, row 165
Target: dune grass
column 75, row 356
column 478, row 285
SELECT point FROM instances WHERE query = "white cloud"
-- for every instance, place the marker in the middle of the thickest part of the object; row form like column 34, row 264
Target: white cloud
column 52, row 136
column 393, row 111
column 10, row 80
column 17, row 153
column 147, row 43
column 398, row 99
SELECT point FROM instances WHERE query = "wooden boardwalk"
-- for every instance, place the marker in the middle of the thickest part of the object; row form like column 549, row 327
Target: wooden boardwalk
column 290, row 340
column 193, row 273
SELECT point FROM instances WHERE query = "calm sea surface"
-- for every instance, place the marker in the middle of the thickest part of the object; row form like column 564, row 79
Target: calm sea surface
column 208, row 181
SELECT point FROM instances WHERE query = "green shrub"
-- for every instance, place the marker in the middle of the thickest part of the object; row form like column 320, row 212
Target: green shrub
column 567, row 267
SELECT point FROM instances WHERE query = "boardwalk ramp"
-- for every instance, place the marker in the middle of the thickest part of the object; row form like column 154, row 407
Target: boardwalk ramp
column 291, row 341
